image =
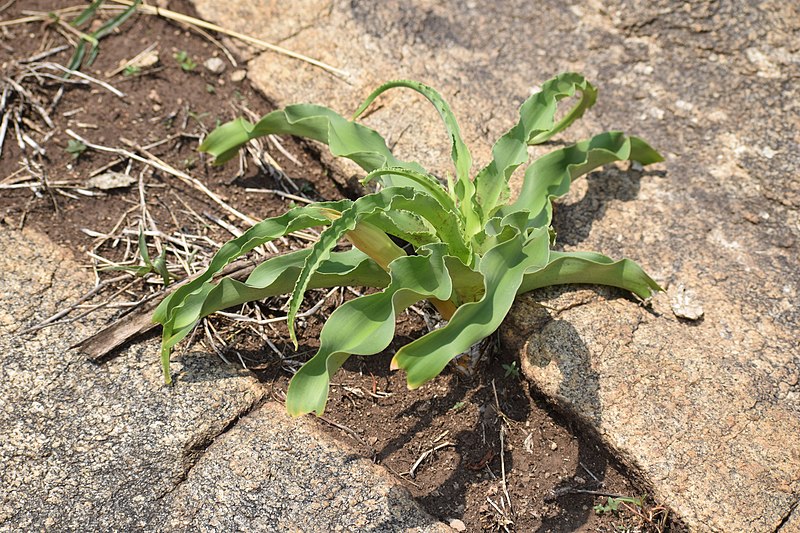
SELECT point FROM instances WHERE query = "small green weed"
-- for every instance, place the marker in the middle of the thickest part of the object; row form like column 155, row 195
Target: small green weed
column 132, row 70
column 612, row 504
column 511, row 370
column 159, row 265
column 75, row 148
column 92, row 40
column 187, row 63
column 458, row 406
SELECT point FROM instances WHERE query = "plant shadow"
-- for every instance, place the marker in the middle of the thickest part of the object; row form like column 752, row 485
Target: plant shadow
column 574, row 220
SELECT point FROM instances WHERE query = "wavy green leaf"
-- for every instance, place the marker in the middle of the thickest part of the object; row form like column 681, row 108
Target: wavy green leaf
column 262, row 233
column 347, row 139
column 463, row 190
column 426, row 183
column 503, row 268
column 366, row 325
column 459, row 152
column 274, row 277
column 536, row 124
column 592, row 268
column 551, row 175
column 393, row 198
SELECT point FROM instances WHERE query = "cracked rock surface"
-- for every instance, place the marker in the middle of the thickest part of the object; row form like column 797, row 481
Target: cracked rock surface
column 87, row 447
column 707, row 411
column 272, row 473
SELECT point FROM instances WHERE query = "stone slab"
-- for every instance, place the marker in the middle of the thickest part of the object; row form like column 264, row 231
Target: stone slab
column 707, row 411
column 87, row 447
column 792, row 524
column 274, row 473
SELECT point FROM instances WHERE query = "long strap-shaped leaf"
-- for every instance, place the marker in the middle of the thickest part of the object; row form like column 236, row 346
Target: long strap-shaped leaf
column 427, row 182
column 551, row 175
column 263, row 232
column 459, row 153
column 366, row 325
column 392, row 198
column 279, row 276
column 458, row 150
column 273, row 277
column 503, row 268
column 592, row 268
column 536, row 124
column 347, row 139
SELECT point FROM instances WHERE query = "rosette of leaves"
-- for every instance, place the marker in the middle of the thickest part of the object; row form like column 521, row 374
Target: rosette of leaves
column 474, row 248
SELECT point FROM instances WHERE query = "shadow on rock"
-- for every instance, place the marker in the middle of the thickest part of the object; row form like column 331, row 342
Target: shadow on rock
column 574, row 221
column 553, row 347
column 559, row 344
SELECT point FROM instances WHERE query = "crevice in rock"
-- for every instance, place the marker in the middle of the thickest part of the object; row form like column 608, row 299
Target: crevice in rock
column 582, row 428
column 787, row 517
column 195, row 451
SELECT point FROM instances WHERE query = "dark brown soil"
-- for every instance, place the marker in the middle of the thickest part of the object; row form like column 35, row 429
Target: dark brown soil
column 547, row 461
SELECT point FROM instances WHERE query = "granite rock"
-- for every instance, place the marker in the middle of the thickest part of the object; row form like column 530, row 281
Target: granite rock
column 109, row 447
column 274, row 473
column 706, row 411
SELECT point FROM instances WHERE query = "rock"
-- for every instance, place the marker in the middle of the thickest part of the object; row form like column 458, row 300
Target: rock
column 146, row 60
column 704, row 411
column 88, row 447
column 792, row 523
column 684, row 303
column 111, row 180
column 274, row 473
column 237, row 76
column 214, row 65
column 458, row 525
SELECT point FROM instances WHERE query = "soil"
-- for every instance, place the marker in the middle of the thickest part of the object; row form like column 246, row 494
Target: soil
column 484, row 429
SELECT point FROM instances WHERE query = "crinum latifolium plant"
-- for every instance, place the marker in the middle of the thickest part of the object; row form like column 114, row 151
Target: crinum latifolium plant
column 474, row 248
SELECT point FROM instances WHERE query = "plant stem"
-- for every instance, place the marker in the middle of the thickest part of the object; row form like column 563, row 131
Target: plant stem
column 446, row 308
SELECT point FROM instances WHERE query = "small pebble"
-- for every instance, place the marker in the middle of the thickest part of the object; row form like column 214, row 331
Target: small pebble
column 111, row 180
column 215, row 65
column 458, row 525
column 553, row 446
column 768, row 152
column 238, row 75
column 684, row 303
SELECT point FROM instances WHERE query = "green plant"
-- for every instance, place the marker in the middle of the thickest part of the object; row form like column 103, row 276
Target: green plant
column 132, row 70
column 474, row 248
column 75, row 148
column 186, row 62
column 511, row 370
column 612, row 504
column 79, row 57
column 159, row 265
